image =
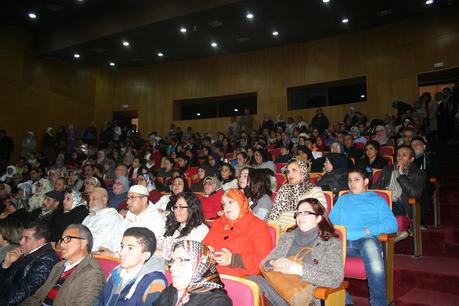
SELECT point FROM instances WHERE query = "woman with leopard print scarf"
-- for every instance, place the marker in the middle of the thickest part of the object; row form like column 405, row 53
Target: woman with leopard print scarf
column 298, row 187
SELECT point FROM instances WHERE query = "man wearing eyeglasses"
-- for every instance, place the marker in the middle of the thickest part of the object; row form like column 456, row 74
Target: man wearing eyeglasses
column 78, row 279
column 142, row 213
column 26, row 268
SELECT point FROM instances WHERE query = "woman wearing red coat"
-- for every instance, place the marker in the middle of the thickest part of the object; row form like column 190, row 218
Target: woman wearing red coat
column 239, row 239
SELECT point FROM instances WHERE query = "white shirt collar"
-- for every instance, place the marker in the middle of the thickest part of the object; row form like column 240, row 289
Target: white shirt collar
column 68, row 265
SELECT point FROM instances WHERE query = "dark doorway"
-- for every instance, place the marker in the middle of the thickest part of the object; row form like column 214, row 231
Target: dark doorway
column 127, row 118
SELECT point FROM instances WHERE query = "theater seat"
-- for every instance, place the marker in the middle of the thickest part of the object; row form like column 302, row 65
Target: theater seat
column 274, row 231
column 108, row 263
column 279, row 167
column 329, row 197
column 387, row 151
column 280, row 180
column 241, row 291
column 275, row 152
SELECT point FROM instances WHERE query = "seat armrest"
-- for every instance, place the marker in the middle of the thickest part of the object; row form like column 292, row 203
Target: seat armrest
column 386, row 237
column 322, row 293
column 412, row 201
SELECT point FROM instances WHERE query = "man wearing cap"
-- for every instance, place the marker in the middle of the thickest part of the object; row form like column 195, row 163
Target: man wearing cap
column 51, row 205
column 102, row 220
column 142, row 213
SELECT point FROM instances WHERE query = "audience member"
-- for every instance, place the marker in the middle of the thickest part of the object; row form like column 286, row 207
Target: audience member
column 335, row 177
column 10, row 235
column 372, row 158
column 119, row 193
column 260, row 192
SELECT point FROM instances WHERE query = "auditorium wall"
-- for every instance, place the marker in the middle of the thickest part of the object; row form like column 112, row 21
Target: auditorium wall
column 390, row 57
column 36, row 93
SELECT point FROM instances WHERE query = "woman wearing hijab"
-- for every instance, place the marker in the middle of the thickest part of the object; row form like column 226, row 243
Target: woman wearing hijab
column 212, row 197
column 213, row 160
column 322, row 267
column 24, row 194
column 109, row 167
column 287, row 197
column 9, row 174
column 145, row 179
column 74, row 211
column 119, row 192
column 197, row 184
column 239, row 239
column 335, row 176
column 381, row 137
column 28, row 144
column 195, row 280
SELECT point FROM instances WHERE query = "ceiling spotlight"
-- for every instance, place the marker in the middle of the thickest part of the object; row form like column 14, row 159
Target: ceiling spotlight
column 76, row 55
column 32, row 15
column 126, row 43
column 160, row 54
column 236, row 110
column 112, row 64
column 275, row 33
column 249, row 16
column 362, row 96
column 198, row 114
column 345, row 20
column 214, row 44
column 429, row 2
column 325, row 1
column 183, row 29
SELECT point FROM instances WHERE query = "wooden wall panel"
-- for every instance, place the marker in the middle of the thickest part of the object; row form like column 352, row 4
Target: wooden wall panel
column 390, row 57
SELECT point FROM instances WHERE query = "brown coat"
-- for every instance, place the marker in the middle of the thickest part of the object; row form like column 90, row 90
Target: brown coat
column 80, row 289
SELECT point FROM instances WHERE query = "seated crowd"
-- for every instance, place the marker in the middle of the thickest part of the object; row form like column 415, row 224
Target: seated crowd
column 197, row 207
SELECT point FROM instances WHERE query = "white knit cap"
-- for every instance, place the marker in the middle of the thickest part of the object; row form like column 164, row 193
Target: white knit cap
column 140, row 190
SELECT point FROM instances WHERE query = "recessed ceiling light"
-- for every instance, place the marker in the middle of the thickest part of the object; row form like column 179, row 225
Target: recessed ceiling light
column 362, row 96
column 325, row 1
column 345, row 20
column 275, row 33
column 198, row 114
column 126, row 43
column 32, row 15
column 80, row 1
column 214, row 44
column 429, row 2
column 236, row 110
column 183, row 29
column 76, row 55
column 160, row 54
column 249, row 16
column 112, row 64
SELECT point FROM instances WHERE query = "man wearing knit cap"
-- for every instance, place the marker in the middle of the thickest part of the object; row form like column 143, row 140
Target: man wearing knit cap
column 51, row 205
column 142, row 213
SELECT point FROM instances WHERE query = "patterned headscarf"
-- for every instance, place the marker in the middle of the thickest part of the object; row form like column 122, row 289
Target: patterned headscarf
column 205, row 276
column 77, row 199
column 244, row 206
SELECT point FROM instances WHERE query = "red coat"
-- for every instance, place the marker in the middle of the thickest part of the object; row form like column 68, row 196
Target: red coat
column 212, row 204
column 249, row 238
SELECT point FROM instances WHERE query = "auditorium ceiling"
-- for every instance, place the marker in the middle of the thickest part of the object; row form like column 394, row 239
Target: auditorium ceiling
column 125, row 33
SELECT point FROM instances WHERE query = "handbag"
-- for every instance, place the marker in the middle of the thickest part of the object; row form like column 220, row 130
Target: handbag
column 291, row 287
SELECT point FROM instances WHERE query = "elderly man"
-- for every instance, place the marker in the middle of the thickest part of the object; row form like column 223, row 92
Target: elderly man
column 52, row 203
column 142, row 213
column 78, row 279
column 102, row 220
column 27, row 267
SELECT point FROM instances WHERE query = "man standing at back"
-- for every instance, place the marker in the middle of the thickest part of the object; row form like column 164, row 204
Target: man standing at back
column 27, row 267
column 78, row 279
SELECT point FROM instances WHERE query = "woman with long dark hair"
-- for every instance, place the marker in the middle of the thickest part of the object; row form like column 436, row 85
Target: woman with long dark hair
column 185, row 222
column 260, row 193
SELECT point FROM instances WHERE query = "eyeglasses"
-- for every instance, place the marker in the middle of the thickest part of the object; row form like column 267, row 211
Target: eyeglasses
column 304, row 213
column 134, row 197
column 181, row 208
column 180, row 261
column 67, row 239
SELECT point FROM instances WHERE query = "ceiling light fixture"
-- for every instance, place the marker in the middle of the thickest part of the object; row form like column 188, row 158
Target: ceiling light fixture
column 126, row 43
column 249, row 16
column 275, row 33
column 32, row 15
column 183, row 29
column 345, row 20
column 325, row 1
column 429, row 2
column 76, row 55
column 160, row 54
column 236, row 110
column 198, row 114
column 112, row 64
column 214, row 44
column 362, row 96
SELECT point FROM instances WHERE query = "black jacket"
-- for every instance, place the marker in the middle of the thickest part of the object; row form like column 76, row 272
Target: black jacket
column 334, row 181
column 412, row 182
column 24, row 277
column 215, row 297
column 61, row 220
